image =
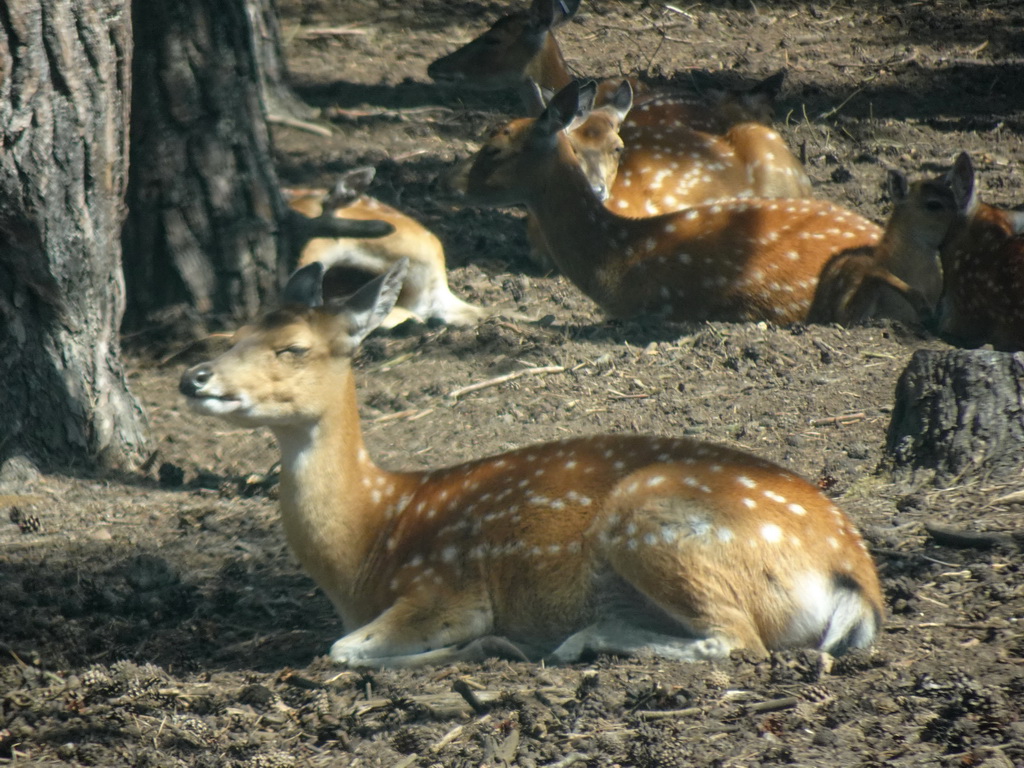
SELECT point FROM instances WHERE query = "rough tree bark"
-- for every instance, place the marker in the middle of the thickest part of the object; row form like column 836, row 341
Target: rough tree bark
column 64, row 90
column 204, row 207
column 959, row 413
column 278, row 95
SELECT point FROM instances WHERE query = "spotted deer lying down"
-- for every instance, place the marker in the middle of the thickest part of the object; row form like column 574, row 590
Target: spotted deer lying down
column 425, row 294
column 983, row 268
column 901, row 277
column 606, row 544
column 678, row 152
column 730, row 260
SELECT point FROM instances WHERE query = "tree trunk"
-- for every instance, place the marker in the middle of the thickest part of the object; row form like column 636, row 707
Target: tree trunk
column 64, row 90
column 278, row 95
column 203, row 196
column 959, row 413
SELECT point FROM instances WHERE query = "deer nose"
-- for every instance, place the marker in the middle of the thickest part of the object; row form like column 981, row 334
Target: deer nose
column 601, row 190
column 193, row 379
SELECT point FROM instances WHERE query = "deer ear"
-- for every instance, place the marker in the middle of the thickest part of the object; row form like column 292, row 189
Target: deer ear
column 350, row 187
column 621, row 100
column 548, row 14
column 563, row 108
column 960, row 180
column 305, row 287
column 897, row 185
column 367, row 307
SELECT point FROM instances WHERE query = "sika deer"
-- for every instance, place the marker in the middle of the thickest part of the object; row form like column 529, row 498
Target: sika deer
column 677, row 156
column 678, row 153
column 613, row 544
column 733, row 260
column 900, row 278
column 426, row 293
column 983, row 268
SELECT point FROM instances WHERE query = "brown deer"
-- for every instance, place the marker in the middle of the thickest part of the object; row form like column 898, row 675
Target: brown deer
column 425, row 294
column 607, row 544
column 677, row 153
column 983, row 268
column 732, row 260
column 901, row 277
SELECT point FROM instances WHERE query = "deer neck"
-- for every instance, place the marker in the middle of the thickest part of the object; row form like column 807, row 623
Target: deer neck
column 548, row 68
column 912, row 254
column 335, row 501
column 577, row 228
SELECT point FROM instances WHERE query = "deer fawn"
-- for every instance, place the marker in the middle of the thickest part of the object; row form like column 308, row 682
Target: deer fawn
column 731, row 260
column 983, row 268
column 587, row 545
column 677, row 154
column 901, row 277
column 425, row 294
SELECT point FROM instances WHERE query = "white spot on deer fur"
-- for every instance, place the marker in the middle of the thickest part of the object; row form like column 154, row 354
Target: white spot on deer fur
column 833, row 542
column 749, row 503
column 796, row 509
column 771, row 533
column 725, row 535
column 655, row 481
column 775, row 497
column 746, row 482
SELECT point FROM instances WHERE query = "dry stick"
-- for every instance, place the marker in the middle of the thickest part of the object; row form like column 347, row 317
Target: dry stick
column 452, row 735
column 966, row 539
column 466, row 691
column 332, row 32
column 842, row 420
column 1016, row 497
column 773, row 705
column 661, row 714
column 457, row 393
column 302, row 125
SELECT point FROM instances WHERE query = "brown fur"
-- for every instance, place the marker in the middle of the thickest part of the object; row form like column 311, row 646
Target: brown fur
column 711, row 548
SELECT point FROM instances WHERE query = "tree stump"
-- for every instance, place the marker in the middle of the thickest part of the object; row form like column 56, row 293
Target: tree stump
column 959, row 413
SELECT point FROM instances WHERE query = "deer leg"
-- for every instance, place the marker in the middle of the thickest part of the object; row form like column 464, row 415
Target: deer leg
column 416, row 630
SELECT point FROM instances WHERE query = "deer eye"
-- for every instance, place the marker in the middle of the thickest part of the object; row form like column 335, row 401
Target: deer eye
column 292, row 352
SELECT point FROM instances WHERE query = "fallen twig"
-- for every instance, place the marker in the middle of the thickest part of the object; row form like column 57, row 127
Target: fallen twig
column 465, row 690
column 661, row 714
column 301, row 125
column 1016, row 497
column 840, row 421
column 951, row 537
column 348, row 29
column 773, row 705
column 457, row 393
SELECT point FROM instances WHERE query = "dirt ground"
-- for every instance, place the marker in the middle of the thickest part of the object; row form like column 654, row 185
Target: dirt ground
column 157, row 619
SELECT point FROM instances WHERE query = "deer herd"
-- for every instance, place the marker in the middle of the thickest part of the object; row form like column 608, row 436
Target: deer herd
column 651, row 205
